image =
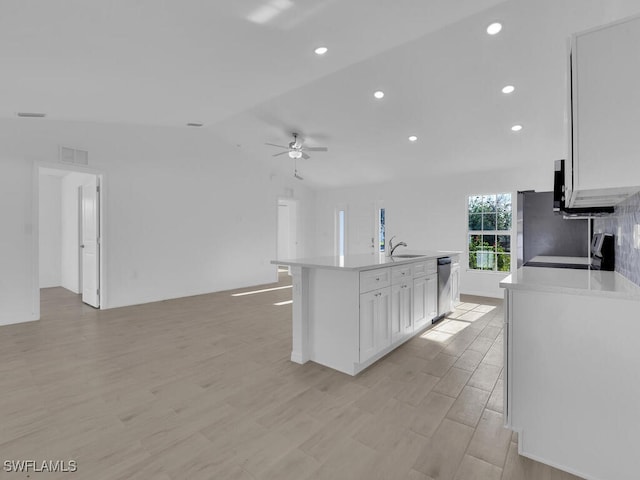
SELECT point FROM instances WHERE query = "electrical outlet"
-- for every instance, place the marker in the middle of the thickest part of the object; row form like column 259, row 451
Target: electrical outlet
column 636, row 236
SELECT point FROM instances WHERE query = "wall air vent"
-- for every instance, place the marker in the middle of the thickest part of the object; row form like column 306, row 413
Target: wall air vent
column 31, row 114
column 73, row 156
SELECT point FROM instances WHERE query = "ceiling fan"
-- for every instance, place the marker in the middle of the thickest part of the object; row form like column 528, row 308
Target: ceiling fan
column 296, row 149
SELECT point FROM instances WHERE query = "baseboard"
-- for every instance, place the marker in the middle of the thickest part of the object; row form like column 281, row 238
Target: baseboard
column 480, row 293
column 14, row 319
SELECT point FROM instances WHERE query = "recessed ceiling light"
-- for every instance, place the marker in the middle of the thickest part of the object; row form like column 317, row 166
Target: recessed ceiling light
column 508, row 89
column 516, row 128
column 494, row 28
column 321, row 50
column 413, row 138
column 194, row 124
column 31, row 114
column 378, row 94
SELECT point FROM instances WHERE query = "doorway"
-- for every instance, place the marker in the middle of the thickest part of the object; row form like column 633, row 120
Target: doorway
column 69, row 224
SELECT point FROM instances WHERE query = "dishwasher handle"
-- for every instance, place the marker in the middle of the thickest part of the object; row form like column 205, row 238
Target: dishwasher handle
column 444, row 261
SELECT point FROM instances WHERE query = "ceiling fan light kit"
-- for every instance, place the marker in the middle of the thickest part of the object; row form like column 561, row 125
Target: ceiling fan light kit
column 296, row 150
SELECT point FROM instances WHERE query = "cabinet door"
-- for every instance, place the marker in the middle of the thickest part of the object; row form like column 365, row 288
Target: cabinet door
column 419, row 302
column 396, row 312
column 606, row 104
column 368, row 323
column 406, row 307
column 375, row 325
column 455, row 285
column 432, row 296
column 383, row 325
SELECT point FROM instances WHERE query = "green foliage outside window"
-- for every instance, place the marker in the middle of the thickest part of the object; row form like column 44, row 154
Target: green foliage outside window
column 490, row 219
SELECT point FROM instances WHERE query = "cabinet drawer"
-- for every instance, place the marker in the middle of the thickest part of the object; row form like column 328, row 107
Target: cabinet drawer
column 372, row 279
column 401, row 272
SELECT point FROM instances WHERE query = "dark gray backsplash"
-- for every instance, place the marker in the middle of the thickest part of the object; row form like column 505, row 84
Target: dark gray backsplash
column 545, row 233
column 626, row 216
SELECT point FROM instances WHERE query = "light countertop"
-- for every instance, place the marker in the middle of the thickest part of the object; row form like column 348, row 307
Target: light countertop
column 570, row 281
column 365, row 261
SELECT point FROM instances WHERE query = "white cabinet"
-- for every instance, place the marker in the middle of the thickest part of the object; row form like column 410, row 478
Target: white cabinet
column 347, row 319
column 425, row 304
column 420, row 297
column 605, row 101
column 455, row 284
column 432, row 296
column 401, row 302
column 375, row 325
column 571, row 382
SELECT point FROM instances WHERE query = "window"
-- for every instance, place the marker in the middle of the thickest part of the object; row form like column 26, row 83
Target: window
column 489, row 220
column 381, row 237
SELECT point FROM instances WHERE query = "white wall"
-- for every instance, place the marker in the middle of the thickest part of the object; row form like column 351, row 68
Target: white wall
column 70, row 275
column 50, row 225
column 427, row 214
column 185, row 213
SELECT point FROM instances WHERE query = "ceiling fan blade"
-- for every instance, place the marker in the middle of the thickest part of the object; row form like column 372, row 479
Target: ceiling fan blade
column 305, row 156
column 274, row 145
column 281, row 153
column 316, row 149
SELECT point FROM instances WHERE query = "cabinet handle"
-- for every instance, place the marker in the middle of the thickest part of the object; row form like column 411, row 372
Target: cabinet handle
column 377, row 279
column 403, row 273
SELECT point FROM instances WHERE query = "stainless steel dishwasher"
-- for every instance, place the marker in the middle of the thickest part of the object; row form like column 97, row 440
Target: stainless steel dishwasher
column 444, row 288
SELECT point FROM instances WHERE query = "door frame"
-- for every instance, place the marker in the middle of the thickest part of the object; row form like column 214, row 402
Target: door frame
column 35, row 223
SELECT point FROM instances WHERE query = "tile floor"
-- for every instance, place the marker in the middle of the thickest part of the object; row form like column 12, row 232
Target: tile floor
column 202, row 388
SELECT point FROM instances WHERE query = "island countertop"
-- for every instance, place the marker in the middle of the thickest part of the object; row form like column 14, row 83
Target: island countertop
column 365, row 261
column 570, row 281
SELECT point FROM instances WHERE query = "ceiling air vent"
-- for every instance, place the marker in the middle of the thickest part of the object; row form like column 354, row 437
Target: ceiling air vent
column 74, row 156
column 31, row 114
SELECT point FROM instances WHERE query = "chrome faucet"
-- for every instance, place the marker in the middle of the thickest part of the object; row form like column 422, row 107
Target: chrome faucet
column 393, row 247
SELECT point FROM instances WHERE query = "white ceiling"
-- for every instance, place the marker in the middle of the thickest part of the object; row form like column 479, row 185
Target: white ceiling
column 178, row 61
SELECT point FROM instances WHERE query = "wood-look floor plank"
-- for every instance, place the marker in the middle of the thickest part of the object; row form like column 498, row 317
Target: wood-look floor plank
column 202, row 387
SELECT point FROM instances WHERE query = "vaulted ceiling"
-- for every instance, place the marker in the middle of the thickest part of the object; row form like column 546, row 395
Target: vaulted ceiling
column 246, row 69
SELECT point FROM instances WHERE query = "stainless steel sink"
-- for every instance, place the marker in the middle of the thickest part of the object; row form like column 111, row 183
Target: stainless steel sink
column 407, row 255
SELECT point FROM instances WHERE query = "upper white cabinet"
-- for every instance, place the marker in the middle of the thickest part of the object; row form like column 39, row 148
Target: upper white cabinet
column 605, row 112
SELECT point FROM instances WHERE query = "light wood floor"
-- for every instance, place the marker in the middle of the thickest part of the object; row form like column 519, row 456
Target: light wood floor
column 202, row 388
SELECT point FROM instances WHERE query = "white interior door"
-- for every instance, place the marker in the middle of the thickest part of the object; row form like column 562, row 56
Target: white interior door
column 91, row 243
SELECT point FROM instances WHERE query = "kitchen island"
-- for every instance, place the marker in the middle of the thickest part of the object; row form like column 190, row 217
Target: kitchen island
column 350, row 311
column 572, row 370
